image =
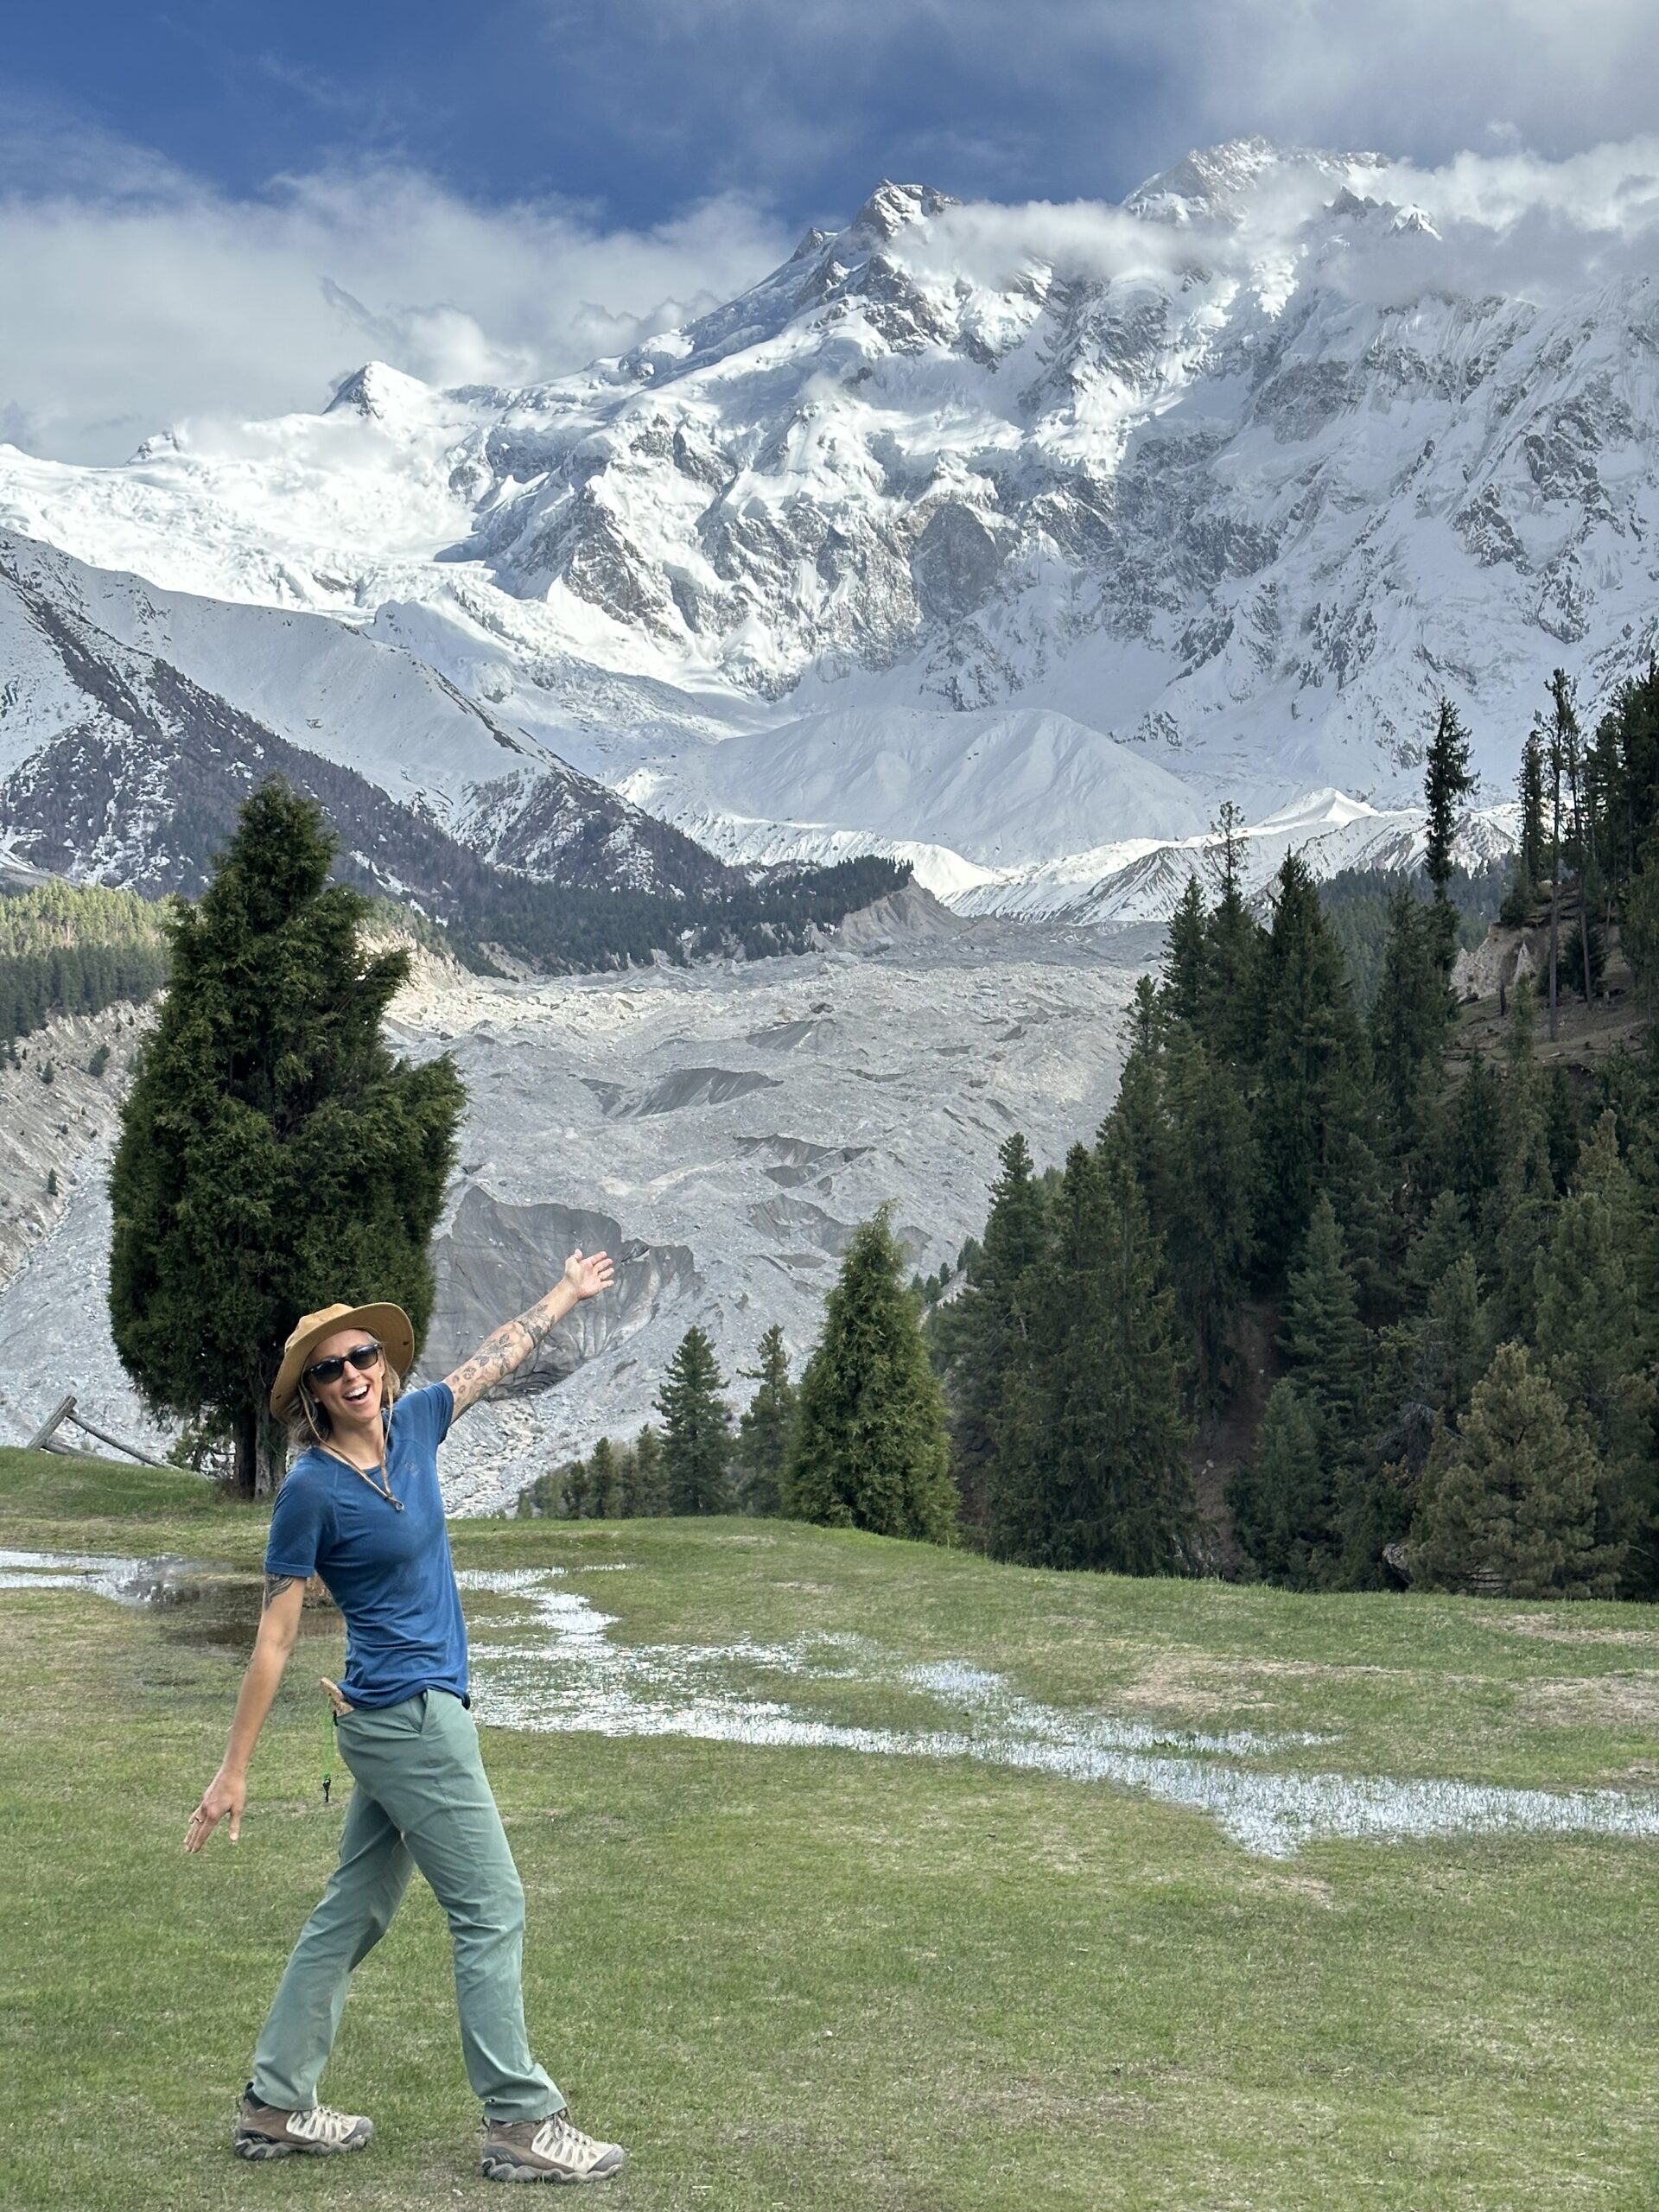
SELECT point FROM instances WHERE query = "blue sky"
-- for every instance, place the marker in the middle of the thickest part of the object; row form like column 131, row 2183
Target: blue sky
column 633, row 109
column 213, row 206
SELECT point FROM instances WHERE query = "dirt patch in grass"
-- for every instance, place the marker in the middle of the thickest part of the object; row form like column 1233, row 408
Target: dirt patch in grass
column 1283, row 1882
column 1596, row 1700
column 1559, row 1627
column 1177, row 1682
column 1203, row 1689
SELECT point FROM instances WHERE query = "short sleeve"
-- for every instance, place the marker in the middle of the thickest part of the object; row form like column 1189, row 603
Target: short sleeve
column 297, row 1528
column 425, row 1415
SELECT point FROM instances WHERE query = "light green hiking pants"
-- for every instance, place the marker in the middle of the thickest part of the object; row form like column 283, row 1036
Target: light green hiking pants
column 422, row 1800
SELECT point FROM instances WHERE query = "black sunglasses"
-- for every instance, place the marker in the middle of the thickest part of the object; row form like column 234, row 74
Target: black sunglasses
column 361, row 1357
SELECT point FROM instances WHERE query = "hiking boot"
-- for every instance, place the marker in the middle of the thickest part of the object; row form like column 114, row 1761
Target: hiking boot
column 545, row 2150
column 268, row 2132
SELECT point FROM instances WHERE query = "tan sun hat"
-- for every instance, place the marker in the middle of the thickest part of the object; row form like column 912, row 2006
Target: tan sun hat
column 389, row 1325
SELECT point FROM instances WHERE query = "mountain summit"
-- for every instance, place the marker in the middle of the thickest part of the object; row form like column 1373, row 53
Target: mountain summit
column 1240, row 475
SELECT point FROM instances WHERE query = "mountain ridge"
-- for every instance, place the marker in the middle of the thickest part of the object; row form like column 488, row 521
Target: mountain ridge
column 1238, row 478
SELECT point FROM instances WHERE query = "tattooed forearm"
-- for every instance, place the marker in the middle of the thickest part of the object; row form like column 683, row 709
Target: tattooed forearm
column 275, row 1586
column 505, row 1349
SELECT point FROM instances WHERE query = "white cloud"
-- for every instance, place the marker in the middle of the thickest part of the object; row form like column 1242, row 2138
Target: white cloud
column 1415, row 76
column 137, row 297
column 1509, row 223
column 1081, row 96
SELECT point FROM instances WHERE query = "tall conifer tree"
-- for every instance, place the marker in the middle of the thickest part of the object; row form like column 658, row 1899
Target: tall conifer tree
column 645, row 1478
column 1327, row 1344
column 1109, row 1482
column 696, row 1430
column 1309, row 1127
column 1568, row 742
column 765, row 1430
column 1530, row 845
column 1599, row 1337
column 1509, row 1498
column 871, row 1447
column 1410, row 1022
column 274, row 1157
column 1234, row 942
column 604, row 1481
column 989, row 1332
column 1187, row 958
column 1446, row 783
column 1206, row 1213
column 1282, row 1501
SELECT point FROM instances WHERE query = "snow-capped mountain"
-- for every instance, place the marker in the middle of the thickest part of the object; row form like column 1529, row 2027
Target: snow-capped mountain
column 116, row 766
column 1013, row 539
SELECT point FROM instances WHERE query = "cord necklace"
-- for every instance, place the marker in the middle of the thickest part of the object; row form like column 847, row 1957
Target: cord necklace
column 381, row 1489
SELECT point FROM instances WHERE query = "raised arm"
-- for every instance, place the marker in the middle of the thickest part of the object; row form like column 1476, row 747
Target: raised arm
column 512, row 1344
column 279, row 1624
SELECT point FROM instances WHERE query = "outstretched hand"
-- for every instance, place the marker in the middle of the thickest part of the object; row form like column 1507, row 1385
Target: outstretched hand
column 588, row 1276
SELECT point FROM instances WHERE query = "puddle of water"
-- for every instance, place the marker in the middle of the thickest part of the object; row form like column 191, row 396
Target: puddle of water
column 200, row 1604
column 554, row 1669
column 558, row 1673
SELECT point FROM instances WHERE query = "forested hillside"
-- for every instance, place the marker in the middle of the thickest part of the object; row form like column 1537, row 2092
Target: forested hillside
column 74, row 949
column 69, row 948
column 1409, row 1292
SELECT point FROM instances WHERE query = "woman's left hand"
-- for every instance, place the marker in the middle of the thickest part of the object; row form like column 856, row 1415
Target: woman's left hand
column 588, row 1276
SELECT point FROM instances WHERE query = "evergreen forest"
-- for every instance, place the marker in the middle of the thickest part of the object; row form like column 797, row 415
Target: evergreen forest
column 75, row 948
column 1334, row 1297
column 1345, row 1292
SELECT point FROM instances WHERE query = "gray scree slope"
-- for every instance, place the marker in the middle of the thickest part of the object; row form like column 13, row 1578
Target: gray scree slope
column 721, row 1132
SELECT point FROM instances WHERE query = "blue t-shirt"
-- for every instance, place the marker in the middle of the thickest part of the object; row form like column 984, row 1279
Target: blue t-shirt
column 389, row 1572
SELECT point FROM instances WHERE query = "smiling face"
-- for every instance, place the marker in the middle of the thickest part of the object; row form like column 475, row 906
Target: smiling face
column 351, row 1401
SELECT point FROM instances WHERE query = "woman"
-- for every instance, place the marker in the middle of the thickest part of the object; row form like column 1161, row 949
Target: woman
column 361, row 1507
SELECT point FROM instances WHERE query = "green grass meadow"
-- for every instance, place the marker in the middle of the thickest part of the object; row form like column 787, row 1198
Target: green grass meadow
column 807, row 1978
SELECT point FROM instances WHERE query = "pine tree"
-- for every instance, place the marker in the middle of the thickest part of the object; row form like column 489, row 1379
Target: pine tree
column 1471, row 1152
column 1516, row 1219
column 1455, row 1337
column 1555, row 754
column 765, row 1432
column 1529, row 857
column 986, row 1336
column 644, row 1478
column 1444, row 1237
column 273, row 1157
column 1309, row 1126
column 1108, row 1482
column 1638, row 924
column 1599, row 1335
column 1509, row 1503
column 1136, row 1124
column 1187, row 960
column 1328, row 1345
column 871, row 1447
column 1205, row 1208
column 696, row 1430
column 1568, row 742
column 1446, row 783
column 1281, row 1501
column 604, row 1481
column 577, row 1491
column 1234, row 943
column 1410, row 1024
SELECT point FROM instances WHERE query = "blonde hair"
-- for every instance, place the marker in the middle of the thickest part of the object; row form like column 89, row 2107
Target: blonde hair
column 308, row 1420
